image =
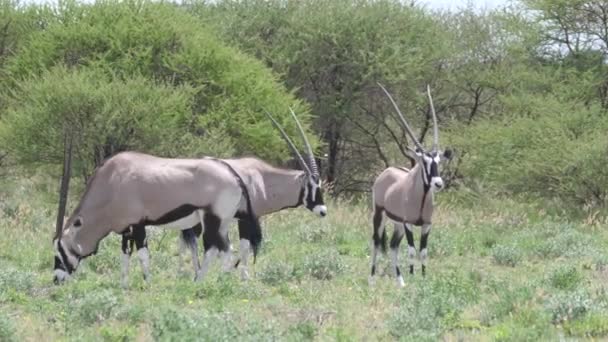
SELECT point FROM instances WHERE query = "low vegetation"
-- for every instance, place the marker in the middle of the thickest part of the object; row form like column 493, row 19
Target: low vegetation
column 494, row 273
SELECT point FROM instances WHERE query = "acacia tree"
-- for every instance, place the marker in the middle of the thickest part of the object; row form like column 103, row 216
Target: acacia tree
column 134, row 75
column 333, row 53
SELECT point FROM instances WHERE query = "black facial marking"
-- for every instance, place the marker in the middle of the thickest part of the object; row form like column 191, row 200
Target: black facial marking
column 58, row 264
column 312, row 200
column 77, row 223
column 65, row 262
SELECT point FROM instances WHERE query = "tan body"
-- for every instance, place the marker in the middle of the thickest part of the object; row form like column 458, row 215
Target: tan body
column 270, row 188
column 132, row 189
column 400, row 193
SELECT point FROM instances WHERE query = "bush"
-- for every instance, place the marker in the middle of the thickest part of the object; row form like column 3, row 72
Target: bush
column 7, row 330
column 14, row 283
column 279, row 272
column 324, row 265
column 592, row 325
column 506, row 255
column 551, row 147
column 569, row 306
column 128, row 75
column 565, row 277
column 95, row 306
column 170, row 324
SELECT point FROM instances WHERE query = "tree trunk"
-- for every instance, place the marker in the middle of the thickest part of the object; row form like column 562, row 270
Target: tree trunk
column 65, row 182
column 332, row 136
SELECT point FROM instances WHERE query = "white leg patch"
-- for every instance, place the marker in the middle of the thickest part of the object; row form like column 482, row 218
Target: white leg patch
column 423, row 256
column 61, row 275
column 244, row 254
column 411, row 255
column 124, row 275
column 207, row 260
column 144, row 258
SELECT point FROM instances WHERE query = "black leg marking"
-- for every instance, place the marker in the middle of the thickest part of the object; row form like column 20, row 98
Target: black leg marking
column 398, row 271
column 379, row 240
column 423, row 242
column 211, row 235
column 396, row 239
column 127, row 241
column 373, row 270
column 410, row 243
column 139, row 236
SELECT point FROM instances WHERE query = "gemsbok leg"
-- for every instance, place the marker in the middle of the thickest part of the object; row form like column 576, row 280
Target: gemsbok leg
column 426, row 230
column 127, row 250
column 141, row 243
column 395, row 242
column 245, row 227
column 378, row 237
column 215, row 239
column 411, row 248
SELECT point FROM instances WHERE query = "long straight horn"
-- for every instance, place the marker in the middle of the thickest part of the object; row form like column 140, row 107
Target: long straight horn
column 405, row 125
column 309, row 155
column 292, row 147
column 435, row 128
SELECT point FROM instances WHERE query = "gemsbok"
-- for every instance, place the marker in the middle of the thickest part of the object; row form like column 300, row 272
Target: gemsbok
column 406, row 198
column 131, row 190
column 272, row 189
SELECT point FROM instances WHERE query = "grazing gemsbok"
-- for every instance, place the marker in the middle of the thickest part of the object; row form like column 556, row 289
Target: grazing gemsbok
column 406, row 198
column 134, row 189
column 272, row 189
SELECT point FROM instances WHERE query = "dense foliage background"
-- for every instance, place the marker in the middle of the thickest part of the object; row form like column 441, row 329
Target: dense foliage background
column 521, row 92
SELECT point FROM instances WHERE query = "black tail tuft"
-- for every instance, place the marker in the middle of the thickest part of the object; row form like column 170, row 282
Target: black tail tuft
column 189, row 235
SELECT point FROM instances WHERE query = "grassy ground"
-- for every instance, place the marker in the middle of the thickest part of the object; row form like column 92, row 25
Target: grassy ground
column 498, row 270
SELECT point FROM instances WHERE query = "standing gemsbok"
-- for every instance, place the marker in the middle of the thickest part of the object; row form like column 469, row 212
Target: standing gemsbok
column 406, row 198
column 272, row 189
column 134, row 189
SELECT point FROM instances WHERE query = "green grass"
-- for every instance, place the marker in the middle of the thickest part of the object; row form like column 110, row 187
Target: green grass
column 498, row 270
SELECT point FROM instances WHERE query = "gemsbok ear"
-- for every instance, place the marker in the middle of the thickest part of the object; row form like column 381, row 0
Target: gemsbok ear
column 447, row 154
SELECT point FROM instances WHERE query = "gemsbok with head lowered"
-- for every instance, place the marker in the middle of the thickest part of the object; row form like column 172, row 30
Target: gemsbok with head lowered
column 406, row 198
column 131, row 190
column 272, row 189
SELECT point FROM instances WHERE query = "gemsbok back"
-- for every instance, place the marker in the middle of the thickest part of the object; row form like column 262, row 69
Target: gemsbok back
column 406, row 198
column 134, row 189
